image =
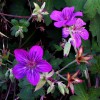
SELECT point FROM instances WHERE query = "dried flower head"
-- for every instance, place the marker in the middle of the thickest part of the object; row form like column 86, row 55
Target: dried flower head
column 73, row 79
column 80, row 57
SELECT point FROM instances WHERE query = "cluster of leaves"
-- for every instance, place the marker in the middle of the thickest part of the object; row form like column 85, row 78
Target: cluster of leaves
column 19, row 27
column 50, row 39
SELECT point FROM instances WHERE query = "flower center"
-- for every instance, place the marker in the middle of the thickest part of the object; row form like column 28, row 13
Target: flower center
column 31, row 64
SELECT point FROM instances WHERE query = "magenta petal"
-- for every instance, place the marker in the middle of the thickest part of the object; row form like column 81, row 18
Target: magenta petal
column 72, row 88
column 19, row 71
column 43, row 66
column 33, row 76
column 84, row 33
column 56, row 15
column 36, row 53
column 77, row 14
column 21, row 55
column 79, row 23
column 59, row 24
column 67, row 12
column 77, row 40
column 65, row 32
column 71, row 22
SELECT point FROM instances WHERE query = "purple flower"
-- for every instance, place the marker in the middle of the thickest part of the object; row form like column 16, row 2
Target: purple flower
column 77, row 32
column 66, row 17
column 30, row 64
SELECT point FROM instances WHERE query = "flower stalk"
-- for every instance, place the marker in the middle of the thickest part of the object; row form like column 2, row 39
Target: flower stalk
column 66, row 66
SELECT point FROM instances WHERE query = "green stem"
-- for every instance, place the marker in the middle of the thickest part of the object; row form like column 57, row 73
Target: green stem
column 20, row 42
column 88, row 77
column 30, row 18
column 9, row 61
column 27, row 40
column 66, row 66
column 61, row 76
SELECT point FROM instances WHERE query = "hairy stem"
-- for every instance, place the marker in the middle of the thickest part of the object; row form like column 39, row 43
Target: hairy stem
column 88, row 77
column 27, row 40
column 29, row 5
column 30, row 18
column 15, row 16
column 8, row 92
column 66, row 66
column 14, row 89
column 61, row 76
column 97, row 82
column 20, row 42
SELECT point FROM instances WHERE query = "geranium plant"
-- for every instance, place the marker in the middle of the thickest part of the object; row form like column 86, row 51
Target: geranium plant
column 50, row 50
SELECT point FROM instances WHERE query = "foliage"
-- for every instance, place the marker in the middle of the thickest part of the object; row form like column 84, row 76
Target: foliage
column 91, row 94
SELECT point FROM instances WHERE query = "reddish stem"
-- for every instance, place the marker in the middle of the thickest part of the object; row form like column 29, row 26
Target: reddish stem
column 9, row 15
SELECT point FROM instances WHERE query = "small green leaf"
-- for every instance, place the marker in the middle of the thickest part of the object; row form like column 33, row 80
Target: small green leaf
column 66, row 90
column 56, row 62
column 57, row 47
column 40, row 84
column 47, row 55
column 61, row 88
column 36, row 6
column 14, row 22
column 23, row 22
column 51, row 88
column 49, row 8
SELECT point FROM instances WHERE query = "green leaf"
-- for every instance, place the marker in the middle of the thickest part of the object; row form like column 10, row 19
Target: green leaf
column 40, row 84
column 95, row 27
column 26, row 93
column 82, row 67
column 23, row 83
column 57, row 47
column 19, row 27
column 91, row 8
column 95, row 47
column 94, row 94
column 56, row 62
column 67, row 48
column 95, row 68
column 59, row 4
column 51, row 88
column 61, row 88
column 83, row 94
column 14, row 22
column 78, row 4
column 47, row 55
column 38, row 93
column 80, row 92
column 23, row 22
column 49, row 8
